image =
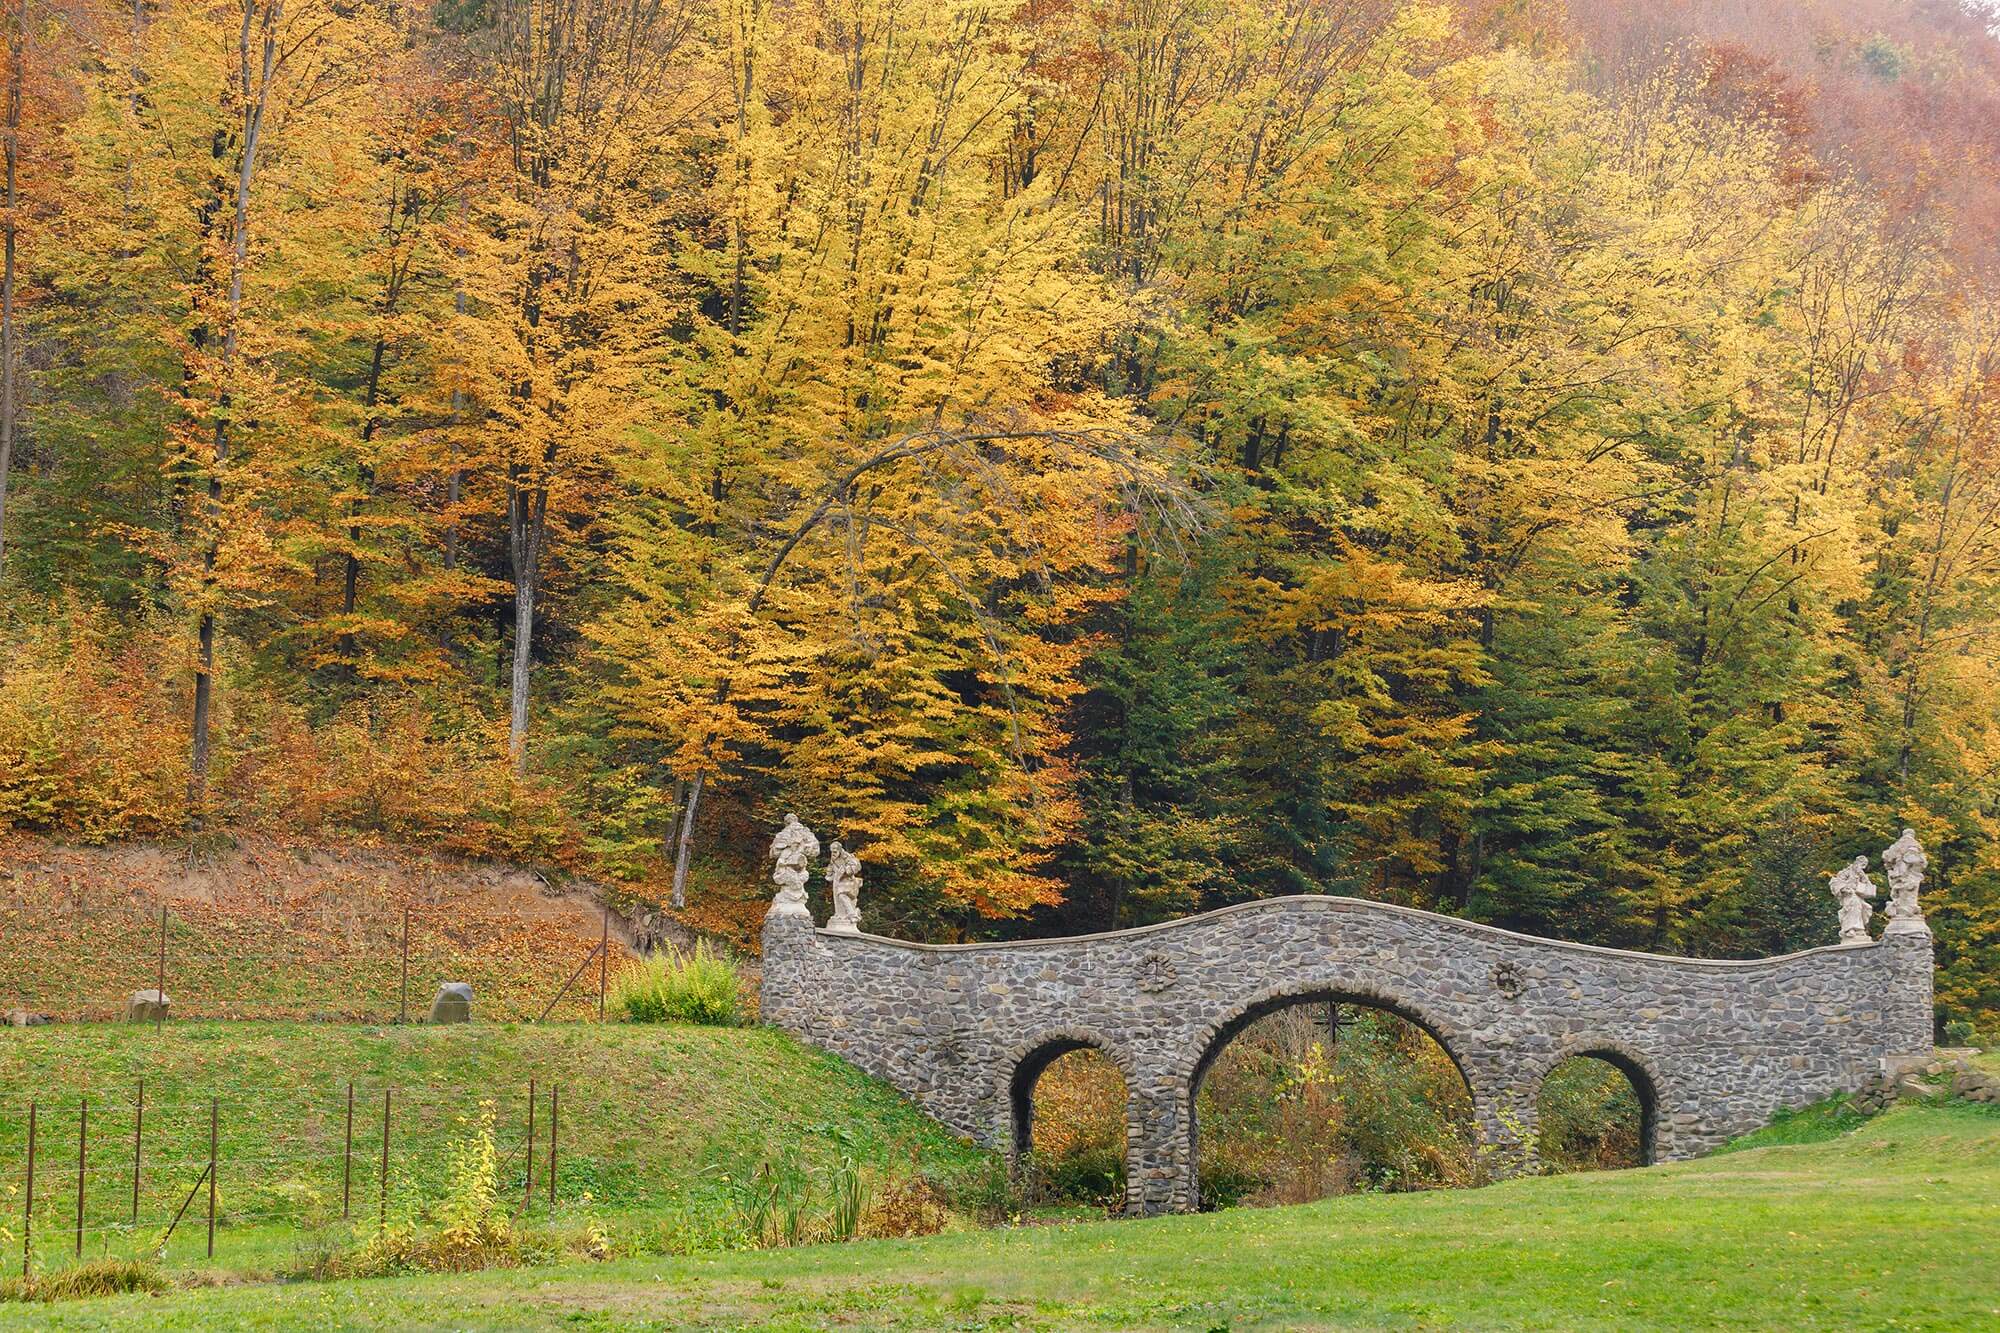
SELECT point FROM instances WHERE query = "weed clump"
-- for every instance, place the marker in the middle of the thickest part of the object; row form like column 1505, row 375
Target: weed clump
column 469, row 1230
column 697, row 985
column 99, row 1277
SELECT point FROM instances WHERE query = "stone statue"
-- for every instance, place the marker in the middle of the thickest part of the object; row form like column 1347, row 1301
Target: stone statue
column 1904, row 863
column 843, row 876
column 794, row 849
column 1853, row 888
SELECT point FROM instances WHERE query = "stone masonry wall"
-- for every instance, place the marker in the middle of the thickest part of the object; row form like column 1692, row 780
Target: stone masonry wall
column 1714, row 1047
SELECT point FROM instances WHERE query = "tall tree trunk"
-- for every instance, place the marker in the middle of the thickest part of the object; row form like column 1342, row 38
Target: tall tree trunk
column 455, row 478
column 685, row 846
column 527, row 515
column 255, row 98
column 17, row 24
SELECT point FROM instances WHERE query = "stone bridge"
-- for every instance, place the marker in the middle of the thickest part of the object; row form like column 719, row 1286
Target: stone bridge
column 1712, row 1048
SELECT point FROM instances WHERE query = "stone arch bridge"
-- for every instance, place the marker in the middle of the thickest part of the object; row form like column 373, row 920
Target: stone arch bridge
column 1712, row 1047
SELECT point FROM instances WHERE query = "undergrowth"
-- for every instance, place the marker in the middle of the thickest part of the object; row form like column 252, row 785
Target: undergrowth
column 698, row 985
column 98, row 1277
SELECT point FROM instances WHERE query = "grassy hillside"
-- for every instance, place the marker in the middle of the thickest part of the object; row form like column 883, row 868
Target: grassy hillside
column 1894, row 1225
column 665, row 1133
column 274, row 928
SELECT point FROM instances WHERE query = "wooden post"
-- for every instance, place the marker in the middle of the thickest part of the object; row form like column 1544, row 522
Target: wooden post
column 403, row 1013
column 555, row 1108
column 347, row 1158
column 603, row 964
column 138, row 1127
column 528, row 1194
column 160, row 978
column 82, row 1151
column 28, row 1203
column 384, row 1216
column 214, row 1115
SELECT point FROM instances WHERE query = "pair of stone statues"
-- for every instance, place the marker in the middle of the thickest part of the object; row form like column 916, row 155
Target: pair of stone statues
column 794, row 850
column 1903, row 862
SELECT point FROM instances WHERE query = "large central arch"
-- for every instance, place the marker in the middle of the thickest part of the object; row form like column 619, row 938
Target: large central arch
column 1713, row 1047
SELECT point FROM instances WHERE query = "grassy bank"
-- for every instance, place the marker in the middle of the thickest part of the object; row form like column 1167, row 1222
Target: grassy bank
column 665, row 1134
column 1895, row 1225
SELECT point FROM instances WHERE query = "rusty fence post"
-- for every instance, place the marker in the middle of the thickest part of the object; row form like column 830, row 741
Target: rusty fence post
column 347, row 1158
column 603, row 964
column 160, row 978
column 138, row 1128
column 528, row 1193
column 383, row 1218
column 214, row 1115
column 28, row 1202
column 82, row 1153
column 403, row 1010
column 555, row 1111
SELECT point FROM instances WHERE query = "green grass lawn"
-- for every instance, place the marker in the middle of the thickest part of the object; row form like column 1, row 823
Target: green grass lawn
column 1819, row 1222
column 661, row 1132
column 1896, row 1225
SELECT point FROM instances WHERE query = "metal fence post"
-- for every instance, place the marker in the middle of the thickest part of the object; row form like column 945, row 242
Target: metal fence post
column 528, row 1194
column 384, row 1217
column 138, row 1127
column 214, row 1105
column 403, row 1009
column 82, row 1152
column 28, row 1203
column 347, row 1158
column 160, row 979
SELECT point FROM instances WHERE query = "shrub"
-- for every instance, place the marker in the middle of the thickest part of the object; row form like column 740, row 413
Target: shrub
column 909, row 1207
column 1078, row 1153
column 1589, row 1118
column 695, row 986
column 473, row 1231
column 1287, row 1116
column 99, row 1277
column 1092, row 1174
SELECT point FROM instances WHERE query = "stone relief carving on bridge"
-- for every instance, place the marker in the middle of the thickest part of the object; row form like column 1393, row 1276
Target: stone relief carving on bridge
column 1851, row 886
column 793, row 849
column 843, row 877
column 1157, row 973
column 1904, row 862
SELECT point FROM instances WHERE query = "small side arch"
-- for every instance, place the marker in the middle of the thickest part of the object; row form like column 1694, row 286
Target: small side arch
column 1024, row 1065
column 1638, row 1071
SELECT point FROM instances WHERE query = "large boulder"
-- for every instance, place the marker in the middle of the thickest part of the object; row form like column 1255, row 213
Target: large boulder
column 453, row 1003
column 24, row 1018
column 147, row 1006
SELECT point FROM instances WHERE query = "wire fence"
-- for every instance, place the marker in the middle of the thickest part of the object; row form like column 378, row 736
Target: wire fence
column 143, row 1172
column 310, row 961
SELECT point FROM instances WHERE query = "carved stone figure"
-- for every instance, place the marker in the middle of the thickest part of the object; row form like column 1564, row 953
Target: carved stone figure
column 843, row 876
column 1853, row 888
column 1904, row 863
column 793, row 849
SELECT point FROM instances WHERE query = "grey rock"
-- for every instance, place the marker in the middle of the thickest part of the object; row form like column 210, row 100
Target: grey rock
column 453, row 1003
column 148, row 1006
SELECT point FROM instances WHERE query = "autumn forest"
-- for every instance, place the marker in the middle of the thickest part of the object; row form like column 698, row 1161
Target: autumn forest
column 1101, row 458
